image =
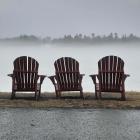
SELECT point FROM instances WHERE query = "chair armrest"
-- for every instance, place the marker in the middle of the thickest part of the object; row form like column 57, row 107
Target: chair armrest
column 53, row 79
column 42, row 77
column 125, row 76
column 10, row 75
column 82, row 75
column 94, row 76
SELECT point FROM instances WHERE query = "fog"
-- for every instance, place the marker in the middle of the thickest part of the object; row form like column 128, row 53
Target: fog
column 87, row 55
column 56, row 18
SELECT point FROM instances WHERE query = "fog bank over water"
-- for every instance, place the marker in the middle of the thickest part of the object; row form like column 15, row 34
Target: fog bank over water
column 88, row 56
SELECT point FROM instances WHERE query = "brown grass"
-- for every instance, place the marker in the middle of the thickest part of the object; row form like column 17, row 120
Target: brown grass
column 72, row 100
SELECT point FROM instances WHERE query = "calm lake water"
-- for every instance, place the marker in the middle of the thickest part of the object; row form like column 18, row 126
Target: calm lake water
column 69, row 124
column 87, row 56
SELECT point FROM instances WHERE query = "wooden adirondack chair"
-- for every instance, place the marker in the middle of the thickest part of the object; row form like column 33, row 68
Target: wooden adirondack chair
column 67, row 76
column 111, row 77
column 25, row 76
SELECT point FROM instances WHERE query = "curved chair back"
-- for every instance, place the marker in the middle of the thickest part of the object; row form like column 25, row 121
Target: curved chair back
column 111, row 71
column 25, row 72
column 67, row 73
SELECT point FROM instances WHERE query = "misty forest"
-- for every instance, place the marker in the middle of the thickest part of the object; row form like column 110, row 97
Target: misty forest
column 76, row 39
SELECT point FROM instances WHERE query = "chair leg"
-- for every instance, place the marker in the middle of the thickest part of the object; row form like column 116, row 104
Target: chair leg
column 36, row 95
column 123, row 98
column 96, row 96
column 100, row 95
column 12, row 95
column 39, row 92
column 81, row 94
column 57, row 94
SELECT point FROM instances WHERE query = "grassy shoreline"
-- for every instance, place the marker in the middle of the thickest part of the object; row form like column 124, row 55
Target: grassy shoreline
column 71, row 100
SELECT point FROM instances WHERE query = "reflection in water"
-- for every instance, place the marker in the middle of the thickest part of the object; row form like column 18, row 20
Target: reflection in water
column 87, row 56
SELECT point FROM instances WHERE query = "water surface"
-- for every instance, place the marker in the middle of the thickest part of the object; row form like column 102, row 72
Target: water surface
column 87, row 56
column 69, row 124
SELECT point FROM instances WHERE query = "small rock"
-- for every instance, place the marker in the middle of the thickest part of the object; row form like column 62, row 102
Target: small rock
column 32, row 124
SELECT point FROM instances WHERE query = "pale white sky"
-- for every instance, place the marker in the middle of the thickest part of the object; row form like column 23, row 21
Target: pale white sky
column 56, row 18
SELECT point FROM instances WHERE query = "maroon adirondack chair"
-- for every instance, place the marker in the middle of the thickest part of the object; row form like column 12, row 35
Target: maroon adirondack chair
column 67, row 76
column 25, row 76
column 111, row 77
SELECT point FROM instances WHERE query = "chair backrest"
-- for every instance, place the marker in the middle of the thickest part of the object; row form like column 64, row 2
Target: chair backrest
column 111, row 70
column 25, row 72
column 67, row 72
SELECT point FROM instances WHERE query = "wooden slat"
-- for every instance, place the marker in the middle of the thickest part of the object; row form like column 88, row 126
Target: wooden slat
column 120, row 68
column 68, row 80
column 22, row 73
column 33, row 74
column 26, row 74
column 64, row 74
column 29, row 69
column 58, row 68
column 77, row 73
column 103, row 75
column 111, row 74
column 71, row 74
column 114, row 69
column 106, row 78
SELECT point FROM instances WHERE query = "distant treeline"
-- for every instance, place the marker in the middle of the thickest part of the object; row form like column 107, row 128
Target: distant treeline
column 78, row 38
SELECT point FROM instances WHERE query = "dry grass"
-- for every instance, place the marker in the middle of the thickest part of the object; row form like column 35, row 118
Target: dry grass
column 72, row 100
